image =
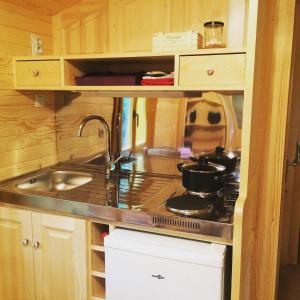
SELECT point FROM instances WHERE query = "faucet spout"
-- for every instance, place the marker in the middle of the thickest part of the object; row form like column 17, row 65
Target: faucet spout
column 108, row 158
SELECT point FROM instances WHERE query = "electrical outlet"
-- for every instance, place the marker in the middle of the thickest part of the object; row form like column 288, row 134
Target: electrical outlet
column 36, row 44
column 39, row 100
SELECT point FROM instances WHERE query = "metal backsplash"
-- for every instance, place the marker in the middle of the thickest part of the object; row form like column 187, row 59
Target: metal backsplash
column 178, row 127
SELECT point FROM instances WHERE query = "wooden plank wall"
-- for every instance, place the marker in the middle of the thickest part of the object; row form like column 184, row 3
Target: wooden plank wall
column 95, row 26
column 71, row 108
column 27, row 133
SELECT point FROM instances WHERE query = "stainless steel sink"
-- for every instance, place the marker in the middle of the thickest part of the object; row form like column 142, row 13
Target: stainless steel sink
column 55, row 181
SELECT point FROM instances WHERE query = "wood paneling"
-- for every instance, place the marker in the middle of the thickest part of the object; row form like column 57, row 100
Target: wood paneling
column 27, row 133
column 49, row 7
column 69, row 114
column 60, row 262
column 127, row 25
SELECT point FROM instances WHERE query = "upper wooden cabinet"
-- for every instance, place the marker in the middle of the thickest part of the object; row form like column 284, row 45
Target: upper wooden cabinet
column 220, row 69
column 38, row 73
column 127, row 25
column 42, row 256
column 212, row 70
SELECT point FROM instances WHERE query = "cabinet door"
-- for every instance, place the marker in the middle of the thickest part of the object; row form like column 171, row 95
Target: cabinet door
column 132, row 23
column 16, row 255
column 59, row 257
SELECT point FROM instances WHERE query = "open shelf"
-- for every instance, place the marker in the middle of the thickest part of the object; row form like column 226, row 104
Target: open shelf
column 96, row 235
column 98, row 261
column 68, row 67
column 98, row 288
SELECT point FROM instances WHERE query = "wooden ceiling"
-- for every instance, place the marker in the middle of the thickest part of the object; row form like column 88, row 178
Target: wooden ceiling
column 49, row 7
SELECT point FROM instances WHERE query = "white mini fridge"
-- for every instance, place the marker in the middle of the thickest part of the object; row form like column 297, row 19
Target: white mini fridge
column 146, row 266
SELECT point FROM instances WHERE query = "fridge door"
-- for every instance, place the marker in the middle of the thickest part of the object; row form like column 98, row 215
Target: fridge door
column 139, row 271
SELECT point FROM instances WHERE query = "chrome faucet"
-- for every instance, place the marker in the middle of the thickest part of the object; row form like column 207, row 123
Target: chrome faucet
column 109, row 163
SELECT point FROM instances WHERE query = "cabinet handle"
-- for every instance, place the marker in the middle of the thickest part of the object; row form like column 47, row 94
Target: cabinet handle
column 210, row 72
column 25, row 242
column 35, row 73
column 35, row 244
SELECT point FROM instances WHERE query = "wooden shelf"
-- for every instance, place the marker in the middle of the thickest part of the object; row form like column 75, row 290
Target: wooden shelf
column 98, row 274
column 97, row 248
column 145, row 55
column 39, row 70
column 98, row 287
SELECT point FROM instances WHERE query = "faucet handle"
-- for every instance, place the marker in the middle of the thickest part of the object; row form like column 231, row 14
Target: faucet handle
column 113, row 163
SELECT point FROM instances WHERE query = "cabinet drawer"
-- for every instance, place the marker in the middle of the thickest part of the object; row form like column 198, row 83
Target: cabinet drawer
column 38, row 73
column 212, row 70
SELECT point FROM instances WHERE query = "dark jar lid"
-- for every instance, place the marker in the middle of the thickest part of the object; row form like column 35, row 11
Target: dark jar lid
column 213, row 24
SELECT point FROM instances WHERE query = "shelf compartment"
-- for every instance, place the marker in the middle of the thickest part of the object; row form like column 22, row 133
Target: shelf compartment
column 96, row 233
column 98, row 288
column 98, row 261
column 115, row 65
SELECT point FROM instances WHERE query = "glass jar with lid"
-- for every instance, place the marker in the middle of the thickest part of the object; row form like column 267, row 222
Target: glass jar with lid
column 213, row 34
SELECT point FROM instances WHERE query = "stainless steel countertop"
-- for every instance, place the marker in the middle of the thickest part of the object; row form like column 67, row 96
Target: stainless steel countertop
column 129, row 197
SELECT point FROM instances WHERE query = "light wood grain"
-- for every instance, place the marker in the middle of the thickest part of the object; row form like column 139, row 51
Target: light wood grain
column 48, row 7
column 69, row 114
column 27, row 133
column 129, row 25
column 16, row 272
column 38, row 73
column 60, row 260
column 226, row 70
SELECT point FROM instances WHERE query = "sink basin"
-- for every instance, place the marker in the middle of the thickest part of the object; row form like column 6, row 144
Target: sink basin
column 55, row 181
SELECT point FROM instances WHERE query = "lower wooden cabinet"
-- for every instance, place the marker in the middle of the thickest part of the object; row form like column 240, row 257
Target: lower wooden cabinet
column 42, row 256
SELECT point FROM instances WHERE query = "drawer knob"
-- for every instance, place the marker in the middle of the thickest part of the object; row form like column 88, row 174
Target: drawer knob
column 210, row 72
column 35, row 73
column 35, row 244
column 25, row 242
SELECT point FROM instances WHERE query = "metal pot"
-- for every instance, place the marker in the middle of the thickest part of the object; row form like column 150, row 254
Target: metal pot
column 202, row 176
column 220, row 156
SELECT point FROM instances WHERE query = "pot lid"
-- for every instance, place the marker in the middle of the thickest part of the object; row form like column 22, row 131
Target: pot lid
column 204, row 166
column 219, row 154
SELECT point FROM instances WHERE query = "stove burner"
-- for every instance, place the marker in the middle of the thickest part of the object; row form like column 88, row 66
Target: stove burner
column 190, row 206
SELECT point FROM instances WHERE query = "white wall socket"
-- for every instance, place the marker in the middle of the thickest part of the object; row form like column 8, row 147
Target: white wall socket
column 39, row 100
column 36, row 44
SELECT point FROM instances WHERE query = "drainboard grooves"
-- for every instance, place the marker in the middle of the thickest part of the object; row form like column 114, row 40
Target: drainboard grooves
column 176, row 224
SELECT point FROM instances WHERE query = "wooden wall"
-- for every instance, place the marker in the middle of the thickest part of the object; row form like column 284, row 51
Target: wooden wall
column 71, row 108
column 95, row 26
column 27, row 133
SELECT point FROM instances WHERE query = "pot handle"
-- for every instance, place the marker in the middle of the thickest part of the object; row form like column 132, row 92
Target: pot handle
column 179, row 166
column 194, row 159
